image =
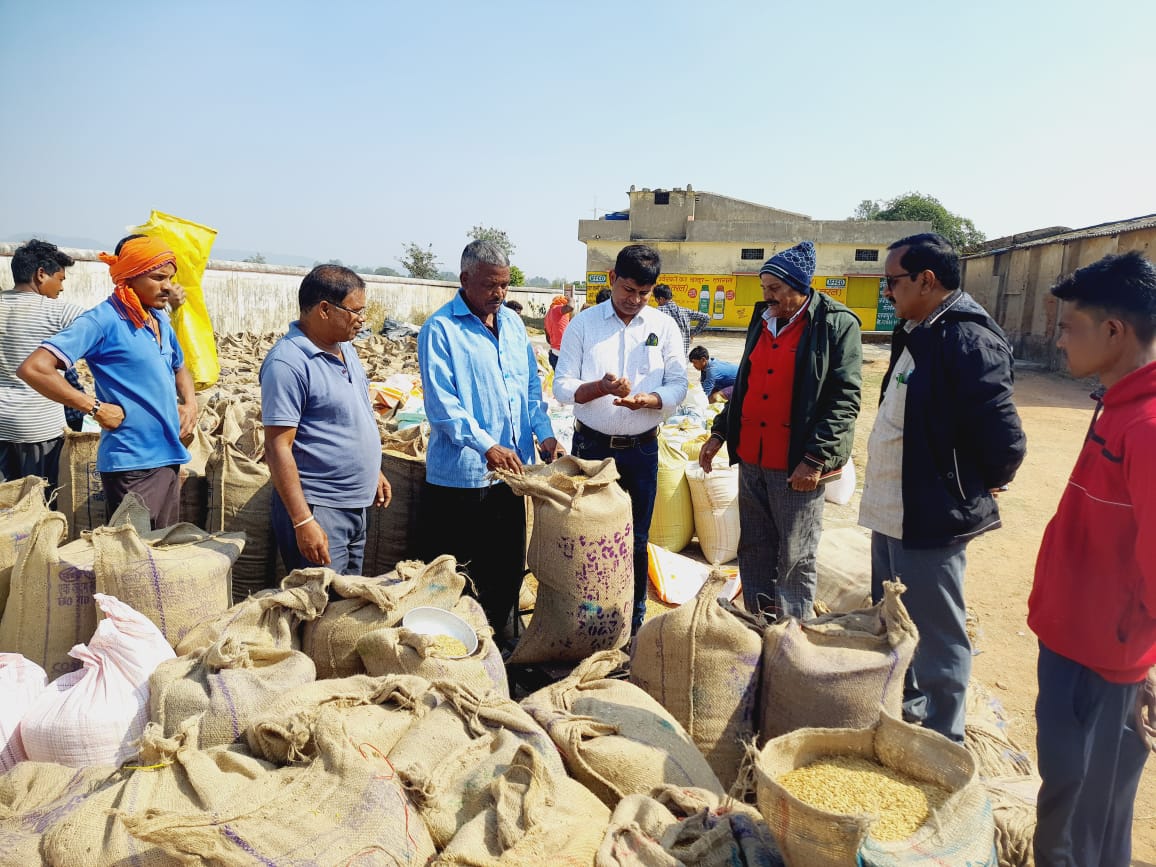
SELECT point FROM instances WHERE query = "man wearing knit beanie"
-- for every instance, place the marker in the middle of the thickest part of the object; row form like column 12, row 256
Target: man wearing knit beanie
column 790, row 423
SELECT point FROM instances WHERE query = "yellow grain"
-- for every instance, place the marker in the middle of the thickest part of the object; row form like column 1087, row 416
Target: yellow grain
column 448, row 646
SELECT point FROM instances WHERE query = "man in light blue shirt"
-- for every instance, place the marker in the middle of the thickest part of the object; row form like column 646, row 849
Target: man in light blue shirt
column 484, row 403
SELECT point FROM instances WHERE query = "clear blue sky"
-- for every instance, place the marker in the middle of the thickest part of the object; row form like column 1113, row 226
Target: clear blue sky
column 343, row 129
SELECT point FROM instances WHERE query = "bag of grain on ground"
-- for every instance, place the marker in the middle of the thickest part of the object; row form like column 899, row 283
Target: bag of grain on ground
column 81, row 496
column 391, row 534
column 21, row 506
column 715, row 496
column 34, row 795
column 240, row 492
column 21, row 683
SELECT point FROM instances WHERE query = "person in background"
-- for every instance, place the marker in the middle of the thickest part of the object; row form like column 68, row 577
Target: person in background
column 557, row 318
column 603, row 295
column 31, row 425
column 1093, row 602
column 717, row 377
column 690, row 322
column 144, row 398
column 516, row 306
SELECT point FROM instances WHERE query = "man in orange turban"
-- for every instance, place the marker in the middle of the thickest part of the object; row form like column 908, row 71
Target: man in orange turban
column 139, row 373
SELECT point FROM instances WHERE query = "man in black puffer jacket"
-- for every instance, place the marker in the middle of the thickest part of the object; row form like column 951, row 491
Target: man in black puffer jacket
column 946, row 438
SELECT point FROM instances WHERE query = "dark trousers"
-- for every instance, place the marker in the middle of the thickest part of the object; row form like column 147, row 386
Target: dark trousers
column 638, row 476
column 160, row 489
column 553, row 360
column 18, row 460
column 485, row 529
column 1091, row 759
column 346, row 529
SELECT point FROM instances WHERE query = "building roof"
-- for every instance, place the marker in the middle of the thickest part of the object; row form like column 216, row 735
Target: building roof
column 1061, row 235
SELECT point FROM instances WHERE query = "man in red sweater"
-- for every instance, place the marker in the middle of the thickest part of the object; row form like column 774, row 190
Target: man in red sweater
column 1093, row 603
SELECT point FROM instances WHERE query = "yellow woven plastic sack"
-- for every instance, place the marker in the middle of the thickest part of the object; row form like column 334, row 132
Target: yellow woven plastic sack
column 672, row 524
column 192, row 243
column 677, row 579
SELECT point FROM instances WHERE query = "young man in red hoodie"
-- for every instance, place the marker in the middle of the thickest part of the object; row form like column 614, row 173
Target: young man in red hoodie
column 1093, row 603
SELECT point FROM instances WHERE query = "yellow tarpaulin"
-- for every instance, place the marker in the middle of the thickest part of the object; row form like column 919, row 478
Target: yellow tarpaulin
column 192, row 243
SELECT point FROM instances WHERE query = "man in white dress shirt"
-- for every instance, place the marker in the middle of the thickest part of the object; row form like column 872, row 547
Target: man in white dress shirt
column 623, row 367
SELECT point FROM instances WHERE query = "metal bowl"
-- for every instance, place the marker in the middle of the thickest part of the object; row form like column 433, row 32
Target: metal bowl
column 438, row 621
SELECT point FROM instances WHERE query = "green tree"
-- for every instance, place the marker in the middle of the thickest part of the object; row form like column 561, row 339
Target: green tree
column 917, row 206
column 449, row 276
column 418, row 262
column 386, row 271
column 488, row 233
column 255, row 259
column 517, row 277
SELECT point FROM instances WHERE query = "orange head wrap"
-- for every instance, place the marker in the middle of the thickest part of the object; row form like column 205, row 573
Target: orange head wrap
column 559, row 300
column 138, row 256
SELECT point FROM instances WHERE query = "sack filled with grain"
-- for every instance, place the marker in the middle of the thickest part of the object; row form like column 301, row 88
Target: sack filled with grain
column 21, row 683
column 81, row 496
column 835, row 671
column 701, row 662
column 175, row 576
column 240, row 493
column 617, row 740
column 891, row 794
column 34, row 796
column 367, row 604
column 22, row 504
column 374, row 713
column 581, row 552
column 391, row 534
column 224, row 687
column 435, row 657
column 672, row 524
column 715, row 496
column 269, row 617
column 194, row 507
column 343, row 805
column 530, row 816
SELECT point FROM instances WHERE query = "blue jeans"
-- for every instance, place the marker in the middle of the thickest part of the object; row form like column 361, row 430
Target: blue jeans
column 1091, row 759
column 935, row 692
column 638, row 476
column 344, row 527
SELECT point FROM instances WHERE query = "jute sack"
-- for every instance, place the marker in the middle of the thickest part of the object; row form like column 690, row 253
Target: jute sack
column 267, row 617
column 391, row 534
column 470, row 610
column 374, row 711
column 225, row 688
column 401, row 651
column 171, row 774
column 672, row 524
column 21, row 506
column 843, row 562
column 615, row 739
column 21, row 683
column 1013, row 807
column 582, row 553
column 367, row 604
column 986, row 737
column 194, row 507
column 81, row 496
column 835, row 671
column 343, row 805
column 33, row 796
column 701, row 662
column 959, row 834
column 240, row 494
column 686, row 827
column 176, row 577
column 531, row 816
column 50, row 608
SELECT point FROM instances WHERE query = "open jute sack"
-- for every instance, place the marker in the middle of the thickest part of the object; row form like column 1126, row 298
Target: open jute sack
column 701, row 662
column 447, row 758
column 269, row 617
column 22, row 504
column 172, row 774
column 34, row 795
column 959, row 834
column 582, row 553
column 391, row 534
column 614, row 738
column 176, row 576
column 531, row 817
column 374, row 713
column 224, row 688
column 367, row 604
column 81, row 496
column 343, row 806
column 240, row 497
column 835, row 671
column 50, row 607
column 686, row 827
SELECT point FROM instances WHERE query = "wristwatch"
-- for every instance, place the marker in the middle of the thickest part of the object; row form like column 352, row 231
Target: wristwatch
column 95, row 408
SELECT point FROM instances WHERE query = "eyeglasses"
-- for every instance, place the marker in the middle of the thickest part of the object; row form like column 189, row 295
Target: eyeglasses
column 357, row 314
column 892, row 280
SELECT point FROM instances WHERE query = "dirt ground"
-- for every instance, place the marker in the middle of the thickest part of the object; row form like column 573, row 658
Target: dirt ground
column 1055, row 412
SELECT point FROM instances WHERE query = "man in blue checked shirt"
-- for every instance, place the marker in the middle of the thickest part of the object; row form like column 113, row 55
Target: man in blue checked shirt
column 690, row 322
column 484, row 402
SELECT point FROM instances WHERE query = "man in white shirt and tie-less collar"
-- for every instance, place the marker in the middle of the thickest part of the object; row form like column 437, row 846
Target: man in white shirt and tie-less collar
column 622, row 365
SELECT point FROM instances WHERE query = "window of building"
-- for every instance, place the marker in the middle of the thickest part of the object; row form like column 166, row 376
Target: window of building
column 661, row 198
column 753, row 253
column 866, row 255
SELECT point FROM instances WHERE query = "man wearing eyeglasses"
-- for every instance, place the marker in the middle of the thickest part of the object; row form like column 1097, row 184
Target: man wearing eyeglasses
column 946, row 437
column 321, row 439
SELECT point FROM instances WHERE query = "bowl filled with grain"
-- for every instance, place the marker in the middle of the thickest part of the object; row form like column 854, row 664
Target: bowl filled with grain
column 455, row 637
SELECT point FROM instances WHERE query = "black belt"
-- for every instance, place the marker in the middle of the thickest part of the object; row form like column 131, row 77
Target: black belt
column 616, row 441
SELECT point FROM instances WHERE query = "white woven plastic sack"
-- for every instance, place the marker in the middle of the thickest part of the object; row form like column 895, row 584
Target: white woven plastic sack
column 715, row 496
column 21, row 682
column 95, row 716
column 840, row 491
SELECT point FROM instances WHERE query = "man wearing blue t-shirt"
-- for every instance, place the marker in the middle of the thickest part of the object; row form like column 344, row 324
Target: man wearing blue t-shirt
column 717, row 377
column 321, row 439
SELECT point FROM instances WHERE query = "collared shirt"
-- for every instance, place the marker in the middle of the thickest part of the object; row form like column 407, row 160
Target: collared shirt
column 337, row 447
column 772, row 321
column 718, row 375
column 683, row 319
column 481, row 390
column 135, row 371
column 648, row 352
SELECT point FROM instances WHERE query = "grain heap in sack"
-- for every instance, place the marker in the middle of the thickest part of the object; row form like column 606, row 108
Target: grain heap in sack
column 22, row 504
column 835, row 671
column 582, row 553
column 958, row 830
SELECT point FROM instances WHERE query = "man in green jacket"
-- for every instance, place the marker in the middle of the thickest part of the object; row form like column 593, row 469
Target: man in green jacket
column 790, row 424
